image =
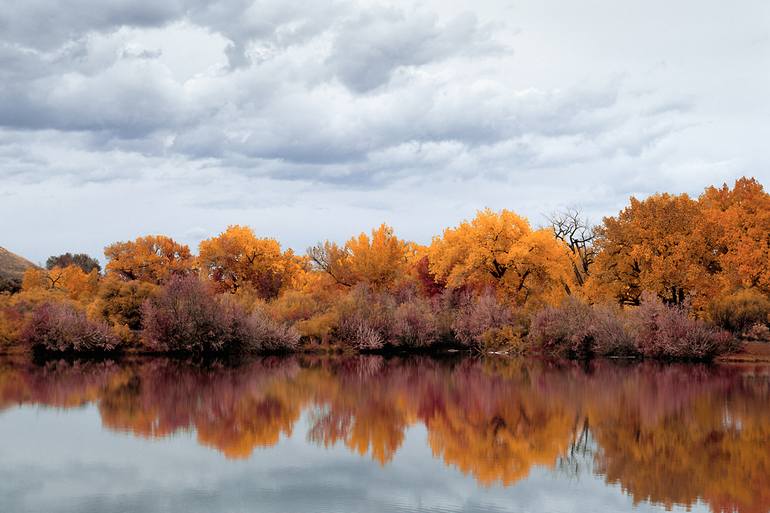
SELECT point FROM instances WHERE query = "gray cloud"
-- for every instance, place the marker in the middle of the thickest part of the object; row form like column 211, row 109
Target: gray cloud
column 355, row 112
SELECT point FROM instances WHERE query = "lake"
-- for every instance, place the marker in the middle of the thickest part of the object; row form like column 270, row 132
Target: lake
column 369, row 433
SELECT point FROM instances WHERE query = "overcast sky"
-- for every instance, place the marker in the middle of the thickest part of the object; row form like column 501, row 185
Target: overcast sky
column 312, row 120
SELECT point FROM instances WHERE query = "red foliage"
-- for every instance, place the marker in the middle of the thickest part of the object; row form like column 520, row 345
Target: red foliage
column 662, row 331
column 186, row 316
column 61, row 328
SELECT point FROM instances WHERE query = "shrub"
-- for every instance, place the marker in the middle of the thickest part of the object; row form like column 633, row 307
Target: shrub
column 262, row 333
column 186, row 316
column 415, row 323
column 566, row 330
column 759, row 332
column 577, row 329
column 120, row 302
column 662, row 331
column 740, row 311
column 476, row 316
column 366, row 318
column 509, row 339
column 61, row 328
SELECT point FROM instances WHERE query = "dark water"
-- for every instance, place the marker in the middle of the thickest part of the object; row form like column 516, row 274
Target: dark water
column 369, row 434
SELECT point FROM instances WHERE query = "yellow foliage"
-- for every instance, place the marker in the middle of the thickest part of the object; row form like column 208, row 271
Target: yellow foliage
column 660, row 244
column 154, row 259
column 237, row 257
column 382, row 260
column 500, row 249
column 71, row 280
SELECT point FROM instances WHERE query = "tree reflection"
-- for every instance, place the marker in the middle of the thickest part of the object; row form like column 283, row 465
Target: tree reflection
column 667, row 434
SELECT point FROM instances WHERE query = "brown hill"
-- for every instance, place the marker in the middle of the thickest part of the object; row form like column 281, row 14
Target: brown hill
column 12, row 269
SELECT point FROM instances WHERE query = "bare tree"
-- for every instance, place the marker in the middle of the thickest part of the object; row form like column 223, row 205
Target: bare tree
column 570, row 227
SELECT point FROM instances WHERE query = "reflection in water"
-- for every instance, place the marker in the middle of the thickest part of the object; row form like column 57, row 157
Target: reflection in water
column 666, row 434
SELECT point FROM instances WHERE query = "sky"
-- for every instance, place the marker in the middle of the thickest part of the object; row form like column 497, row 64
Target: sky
column 318, row 120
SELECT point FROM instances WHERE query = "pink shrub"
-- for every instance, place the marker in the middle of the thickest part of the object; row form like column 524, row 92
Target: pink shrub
column 186, row 316
column 367, row 318
column 61, row 328
column 662, row 331
column 577, row 329
column 478, row 315
column 415, row 323
column 566, row 330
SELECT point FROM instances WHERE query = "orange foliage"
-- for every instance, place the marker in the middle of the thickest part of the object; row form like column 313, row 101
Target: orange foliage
column 154, row 259
column 237, row 258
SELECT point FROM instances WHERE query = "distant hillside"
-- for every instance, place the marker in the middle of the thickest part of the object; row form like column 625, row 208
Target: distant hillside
column 12, row 269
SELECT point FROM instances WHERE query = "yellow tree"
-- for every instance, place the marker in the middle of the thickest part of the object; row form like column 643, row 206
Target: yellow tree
column 502, row 250
column 71, row 280
column 237, row 258
column 380, row 260
column 154, row 259
column 660, row 244
column 742, row 218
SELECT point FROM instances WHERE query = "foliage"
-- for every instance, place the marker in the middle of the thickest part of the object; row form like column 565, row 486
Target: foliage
column 71, row 280
column 119, row 303
column 62, row 328
column 82, row 260
column 577, row 329
column 379, row 261
column 659, row 244
column 237, row 258
column 154, row 259
column 662, row 331
column 478, row 315
column 415, row 323
column 741, row 217
column 501, row 250
column 186, row 316
column 741, row 310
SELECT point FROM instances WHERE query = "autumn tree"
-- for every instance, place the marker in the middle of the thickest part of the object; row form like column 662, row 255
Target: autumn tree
column 500, row 249
column 379, row 260
column 154, row 259
column 85, row 262
column 741, row 216
column 71, row 280
column 660, row 244
column 237, row 258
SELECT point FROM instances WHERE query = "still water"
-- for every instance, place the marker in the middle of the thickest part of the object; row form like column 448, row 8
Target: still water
column 368, row 434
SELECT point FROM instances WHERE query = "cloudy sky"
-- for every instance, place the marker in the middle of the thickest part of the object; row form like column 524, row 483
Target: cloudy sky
column 315, row 120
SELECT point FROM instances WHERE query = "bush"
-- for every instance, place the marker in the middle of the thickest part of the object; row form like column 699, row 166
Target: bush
column 186, row 316
column 366, row 318
column 738, row 312
column 759, row 332
column 120, row 302
column 566, row 330
column 61, row 328
column 662, row 331
column 477, row 316
column 415, row 323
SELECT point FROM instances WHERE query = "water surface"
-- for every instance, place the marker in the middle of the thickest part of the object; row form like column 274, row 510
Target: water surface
column 367, row 434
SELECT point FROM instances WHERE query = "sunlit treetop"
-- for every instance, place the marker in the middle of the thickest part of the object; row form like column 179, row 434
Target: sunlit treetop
column 154, row 259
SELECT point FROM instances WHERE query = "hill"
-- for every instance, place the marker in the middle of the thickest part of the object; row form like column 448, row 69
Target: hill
column 12, row 268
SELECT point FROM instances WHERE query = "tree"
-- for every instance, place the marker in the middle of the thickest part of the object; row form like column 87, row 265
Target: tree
column 501, row 249
column 85, row 262
column 741, row 216
column 71, row 280
column 570, row 227
column 380, row 260
column 154, row 259
column 660, row 244
column 237, row 258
